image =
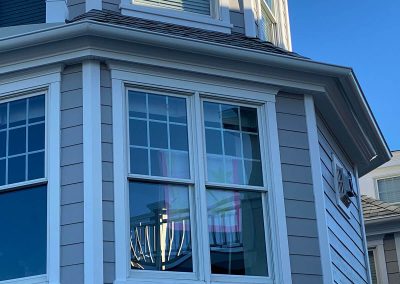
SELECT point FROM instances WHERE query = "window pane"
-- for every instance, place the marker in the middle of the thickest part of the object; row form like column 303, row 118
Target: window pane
column 139, row 161
column 230, row 117
column 240, row 147
column 213, row 141
column 36, row 109
column 372, row 267
column 236, row 233
column 3, row 141
column 17, row 113
column 3, row 116
column 167, row 144
column 16, row 169
column 389, row 189
column 2, row 172
column 177, row 109
column 160, row 227
column 137, row 104
column 23, row 246
column 178, row 137
column 36, row 137
column 36, row 165
column 17, row 141
column 138, row 132
column 157, row 107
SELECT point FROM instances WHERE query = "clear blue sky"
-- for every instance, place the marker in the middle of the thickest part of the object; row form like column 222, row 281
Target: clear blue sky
column 363, row 34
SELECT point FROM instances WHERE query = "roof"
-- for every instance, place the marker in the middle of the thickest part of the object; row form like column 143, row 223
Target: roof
column 374, row 209
column 233, row 39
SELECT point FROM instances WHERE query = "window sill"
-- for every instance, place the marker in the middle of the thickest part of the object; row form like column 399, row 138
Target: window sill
column 176, row 17
column 39, row 279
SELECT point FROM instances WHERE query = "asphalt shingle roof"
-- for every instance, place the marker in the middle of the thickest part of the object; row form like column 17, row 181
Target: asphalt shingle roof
column 373, row 208
column 233, row 39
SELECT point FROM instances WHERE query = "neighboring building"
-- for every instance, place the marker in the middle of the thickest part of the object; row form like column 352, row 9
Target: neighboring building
column 177, row 142
column 382, row 225
column 383, row 183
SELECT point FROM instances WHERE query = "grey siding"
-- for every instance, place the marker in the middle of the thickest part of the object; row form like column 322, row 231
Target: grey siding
column 237, row 15
column 347, row 247
column 71, row 176
column 108, row 186
column 112, row 5
column 75, row 8
column 25, row 12
column 392, row 265
column 304, row 249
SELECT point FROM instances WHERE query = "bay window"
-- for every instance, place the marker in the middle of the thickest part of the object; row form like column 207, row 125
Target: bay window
column 197, row 190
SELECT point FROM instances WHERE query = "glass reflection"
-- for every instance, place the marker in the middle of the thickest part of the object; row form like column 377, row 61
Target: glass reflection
column 23, row 216
column 236, row 232
column 160, row 227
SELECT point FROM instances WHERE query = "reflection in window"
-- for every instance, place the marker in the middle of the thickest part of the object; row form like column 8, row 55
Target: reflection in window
column 236, row 233
column 232, row 144
column 160, row 227
column 22, row 140
column 23, row 216
column 158, row 135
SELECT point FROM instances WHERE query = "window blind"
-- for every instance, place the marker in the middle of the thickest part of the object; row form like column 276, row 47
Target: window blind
column 389, row 189
column 194, row 6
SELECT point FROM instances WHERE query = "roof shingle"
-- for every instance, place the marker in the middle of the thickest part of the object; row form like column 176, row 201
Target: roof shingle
column 373, row 208
column 233, row 39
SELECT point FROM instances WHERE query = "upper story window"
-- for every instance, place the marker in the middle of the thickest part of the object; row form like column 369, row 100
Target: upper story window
column 23, row 190
column 267, row 21
column 203, row 14
column 389, row 189
column 180, row 195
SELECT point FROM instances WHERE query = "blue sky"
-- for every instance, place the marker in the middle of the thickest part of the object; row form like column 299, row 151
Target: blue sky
column 363, row 34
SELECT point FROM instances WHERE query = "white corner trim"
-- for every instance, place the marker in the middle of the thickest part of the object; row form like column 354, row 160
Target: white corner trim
column 56, row 11
column 281, row 248
column 318, row 189
column 380, row 264
column 54, row 181
column 92, row 168
column 250, row 18
column 93, row 5
column 122, row 267
column 220, row 23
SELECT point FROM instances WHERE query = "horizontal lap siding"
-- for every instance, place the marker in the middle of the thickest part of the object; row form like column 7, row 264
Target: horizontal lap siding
column 304, row 249
column 112, row 5
column 345, row 235
column 13, row 13
column 237, row 15
column 71, row 176
column 392, row 265
column 75, row 8
column 108, row 185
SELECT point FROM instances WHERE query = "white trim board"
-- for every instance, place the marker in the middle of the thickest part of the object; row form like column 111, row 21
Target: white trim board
column 92, row 168
column 56, row 11
column 318, row 189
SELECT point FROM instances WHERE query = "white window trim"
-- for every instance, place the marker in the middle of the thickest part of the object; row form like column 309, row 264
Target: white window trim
column 56, row 11
column 397, row 243
column 279, row 239
column 48, row 82
column 380, row 261
column 377, row 194
column 218, row 21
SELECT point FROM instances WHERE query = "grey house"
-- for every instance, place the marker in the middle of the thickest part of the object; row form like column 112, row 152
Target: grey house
column 176, row 142
column 382, row 226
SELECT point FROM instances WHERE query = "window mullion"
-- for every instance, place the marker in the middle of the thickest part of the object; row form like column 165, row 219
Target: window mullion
column 200, row 192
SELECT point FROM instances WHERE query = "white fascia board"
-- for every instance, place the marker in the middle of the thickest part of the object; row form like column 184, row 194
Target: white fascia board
column 88, row 27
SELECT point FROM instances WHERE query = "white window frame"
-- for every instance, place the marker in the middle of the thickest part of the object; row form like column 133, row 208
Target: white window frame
column 377, row 186
column 278, row 245
column 271, row 12
column 48, row 83
column 380, row 261
column 219, row 20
